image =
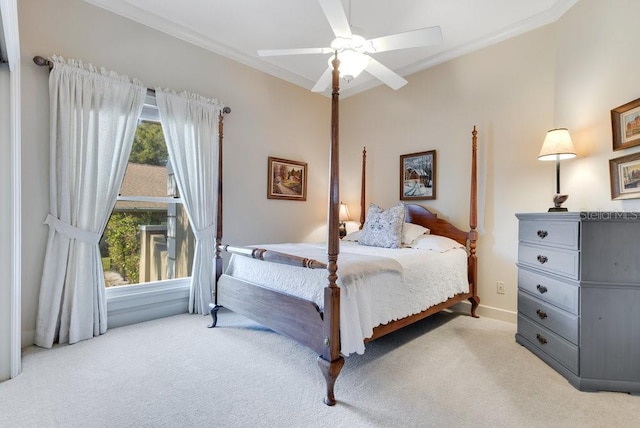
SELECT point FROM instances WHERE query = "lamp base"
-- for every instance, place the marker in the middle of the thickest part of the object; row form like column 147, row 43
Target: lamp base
column 558, row 199
column 342, row 230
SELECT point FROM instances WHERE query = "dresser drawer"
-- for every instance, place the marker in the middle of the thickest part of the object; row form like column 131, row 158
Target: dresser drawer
column 563, row 234
column 554, row 291
column 556, row 320
column 553, row 260
column 550, row 343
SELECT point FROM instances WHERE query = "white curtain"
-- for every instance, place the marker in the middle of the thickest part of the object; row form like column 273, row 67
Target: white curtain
column 190, row 126
column 94, row 116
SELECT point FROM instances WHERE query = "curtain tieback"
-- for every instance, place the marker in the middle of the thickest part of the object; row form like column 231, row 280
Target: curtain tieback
column 72, row 232
column 205, row 232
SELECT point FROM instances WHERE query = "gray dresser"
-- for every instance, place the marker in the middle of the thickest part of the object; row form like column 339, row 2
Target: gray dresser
column 579, row 296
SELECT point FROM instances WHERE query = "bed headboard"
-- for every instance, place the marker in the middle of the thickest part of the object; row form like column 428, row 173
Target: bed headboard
column 419, row 215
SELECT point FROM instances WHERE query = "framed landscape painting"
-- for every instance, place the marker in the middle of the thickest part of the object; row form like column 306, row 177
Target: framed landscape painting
column 418, row 176
column 287, row 179
column 625, row 177
column 625, row 125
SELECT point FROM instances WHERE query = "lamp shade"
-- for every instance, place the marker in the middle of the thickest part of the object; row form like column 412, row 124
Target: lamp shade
column 557, row 145
column 344, row 213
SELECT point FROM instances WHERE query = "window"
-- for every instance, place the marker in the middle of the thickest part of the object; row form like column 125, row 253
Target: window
column 147, row 237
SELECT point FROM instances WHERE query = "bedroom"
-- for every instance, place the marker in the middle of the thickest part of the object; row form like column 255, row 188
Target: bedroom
column 570, row 73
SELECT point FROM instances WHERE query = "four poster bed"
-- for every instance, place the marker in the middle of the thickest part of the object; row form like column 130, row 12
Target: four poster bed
column 318, row 318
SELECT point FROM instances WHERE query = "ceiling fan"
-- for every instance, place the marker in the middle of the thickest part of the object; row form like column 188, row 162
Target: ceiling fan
column 353, row 50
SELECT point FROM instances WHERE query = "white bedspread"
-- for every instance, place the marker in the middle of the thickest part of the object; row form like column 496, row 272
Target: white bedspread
column 377, row 285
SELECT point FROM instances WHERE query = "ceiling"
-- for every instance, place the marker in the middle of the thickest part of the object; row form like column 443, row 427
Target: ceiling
column 237, row 29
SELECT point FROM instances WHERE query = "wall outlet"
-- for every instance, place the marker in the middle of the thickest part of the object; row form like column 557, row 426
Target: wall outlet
column 500, row 287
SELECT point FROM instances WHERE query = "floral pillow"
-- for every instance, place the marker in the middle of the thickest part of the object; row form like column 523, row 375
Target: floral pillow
column 383, row 228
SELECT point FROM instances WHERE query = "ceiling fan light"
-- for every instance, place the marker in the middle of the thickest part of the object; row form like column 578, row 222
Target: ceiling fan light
column 355, row 42
column 358, row 43
column 339, row 43
column 352, row 63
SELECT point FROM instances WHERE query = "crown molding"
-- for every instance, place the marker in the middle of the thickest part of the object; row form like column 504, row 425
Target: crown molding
column 127, row 10
column 540, row 20
column 151, row 20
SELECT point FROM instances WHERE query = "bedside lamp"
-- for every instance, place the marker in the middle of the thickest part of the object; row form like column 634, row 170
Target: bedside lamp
column 557, row 146
column 344, row 216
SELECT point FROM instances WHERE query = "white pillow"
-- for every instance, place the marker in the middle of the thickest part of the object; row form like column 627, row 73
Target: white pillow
column 353, row 236
column 411, row 231
column 435, row 243
column 383, row 228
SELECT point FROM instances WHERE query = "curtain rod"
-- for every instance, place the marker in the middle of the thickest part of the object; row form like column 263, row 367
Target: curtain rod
column 43, row 62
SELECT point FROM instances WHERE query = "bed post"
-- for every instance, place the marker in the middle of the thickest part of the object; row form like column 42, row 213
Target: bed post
column 330, row 361
column 213, row 307
column 473, row 224
column 363, row 208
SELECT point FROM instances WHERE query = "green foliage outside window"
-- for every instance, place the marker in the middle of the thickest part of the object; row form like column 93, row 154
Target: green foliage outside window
column 123, row 241
column 148, row 145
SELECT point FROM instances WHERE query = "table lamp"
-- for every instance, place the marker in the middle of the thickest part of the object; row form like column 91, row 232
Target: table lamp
column 557, row 146
column 344, row 217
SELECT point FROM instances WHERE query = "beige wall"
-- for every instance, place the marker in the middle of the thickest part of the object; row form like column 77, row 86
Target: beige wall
column 571, row 74
column 597, row 71
column 269, row 118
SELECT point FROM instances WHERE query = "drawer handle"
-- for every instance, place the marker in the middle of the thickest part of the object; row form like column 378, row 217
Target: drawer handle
column 541, row 288
column 542, row 259
column 541, row 339
column 542, row 234
column 541, row 314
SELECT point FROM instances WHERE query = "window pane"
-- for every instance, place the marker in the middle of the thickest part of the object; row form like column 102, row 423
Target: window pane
column 147, row 240
column 149, row 147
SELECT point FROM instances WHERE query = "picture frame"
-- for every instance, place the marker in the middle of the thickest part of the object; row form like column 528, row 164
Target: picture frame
column 625, row 177
column 418, row 176
column 625, row 125
column 287, row 179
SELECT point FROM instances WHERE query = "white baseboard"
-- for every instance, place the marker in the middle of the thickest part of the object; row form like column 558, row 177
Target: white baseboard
column 28, row 338
column 488, row 311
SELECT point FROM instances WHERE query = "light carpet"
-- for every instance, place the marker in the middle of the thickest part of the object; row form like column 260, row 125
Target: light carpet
column 449, row 370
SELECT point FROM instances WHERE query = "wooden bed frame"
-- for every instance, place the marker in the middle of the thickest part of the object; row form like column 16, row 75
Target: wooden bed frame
column 302, row 320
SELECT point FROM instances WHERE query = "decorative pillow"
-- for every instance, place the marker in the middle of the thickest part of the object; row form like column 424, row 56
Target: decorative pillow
column 411, row 231
column 383, row 228
column 353, row 236
column 435, row 243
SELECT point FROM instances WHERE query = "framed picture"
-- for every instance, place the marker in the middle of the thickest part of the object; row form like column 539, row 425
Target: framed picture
column 625, row 125
column 418, row 176
column 287, row 180
column 625, row 177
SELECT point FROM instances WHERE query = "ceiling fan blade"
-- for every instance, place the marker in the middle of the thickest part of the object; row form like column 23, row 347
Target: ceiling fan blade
column 300, row 51
column 410, row 39
column 323, row 82
column 385, row 75
column 337, row 19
